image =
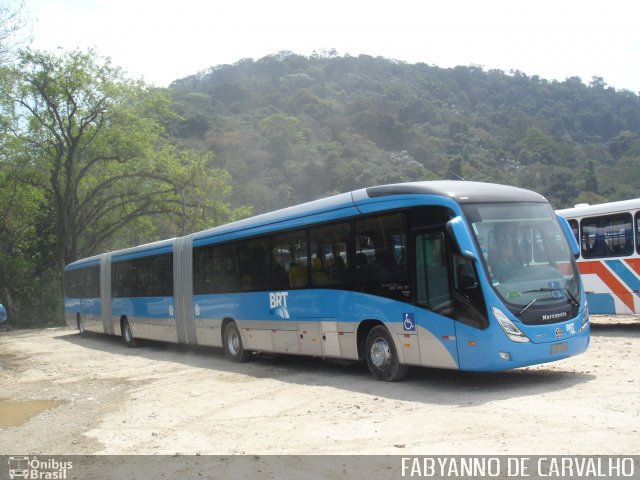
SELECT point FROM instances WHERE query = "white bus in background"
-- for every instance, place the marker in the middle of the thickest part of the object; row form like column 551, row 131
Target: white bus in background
column 609, row 263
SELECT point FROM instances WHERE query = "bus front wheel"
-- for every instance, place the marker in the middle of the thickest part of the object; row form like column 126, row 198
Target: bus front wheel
column 233, row 347
column 382, row 358
column 127, row 335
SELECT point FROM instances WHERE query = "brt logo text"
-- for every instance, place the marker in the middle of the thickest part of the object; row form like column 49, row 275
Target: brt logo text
column 278, row 299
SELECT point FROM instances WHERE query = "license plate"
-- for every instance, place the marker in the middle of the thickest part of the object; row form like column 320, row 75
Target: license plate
column 559, row 347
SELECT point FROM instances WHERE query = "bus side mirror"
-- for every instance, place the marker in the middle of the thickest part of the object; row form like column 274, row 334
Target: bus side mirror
column 566, row 228
column 458, row 231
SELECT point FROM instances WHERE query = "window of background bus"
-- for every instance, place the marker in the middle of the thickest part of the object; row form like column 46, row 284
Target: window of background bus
column 330, row 256
column 381, row 256
column 607, row 236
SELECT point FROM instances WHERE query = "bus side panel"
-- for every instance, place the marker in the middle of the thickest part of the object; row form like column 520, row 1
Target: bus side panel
column 89, row 310
column 325, row 323
column 208, row 331
column 437, row 334
column 149, row 317
column 328, row 322
column 602, row 304
column 71, row 310
column 610, row 286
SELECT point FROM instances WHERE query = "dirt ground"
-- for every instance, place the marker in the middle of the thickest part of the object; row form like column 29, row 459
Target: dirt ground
column 103, row 398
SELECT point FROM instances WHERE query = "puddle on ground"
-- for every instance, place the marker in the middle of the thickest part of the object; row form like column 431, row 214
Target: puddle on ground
column 15, row 413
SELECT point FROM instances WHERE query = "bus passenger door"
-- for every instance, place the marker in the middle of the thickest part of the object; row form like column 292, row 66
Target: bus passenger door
column 435, row 327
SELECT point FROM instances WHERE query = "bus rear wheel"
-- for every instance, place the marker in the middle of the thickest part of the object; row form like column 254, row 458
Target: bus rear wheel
column 127, row 335
column 382, row 358
column 232, row 342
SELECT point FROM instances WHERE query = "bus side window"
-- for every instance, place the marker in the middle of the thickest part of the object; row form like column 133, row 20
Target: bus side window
column 381, row 260
column 607, row 236
column 331, row 256
column 289, row 260
column 574, row 228
column 215, row 269
column 253, row 265
column 465, row 303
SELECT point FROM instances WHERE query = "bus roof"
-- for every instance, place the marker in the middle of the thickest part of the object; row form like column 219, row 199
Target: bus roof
column 601, row 208
column 162, row 246
column 460, row 191
column 334, row 207
column 346, row 204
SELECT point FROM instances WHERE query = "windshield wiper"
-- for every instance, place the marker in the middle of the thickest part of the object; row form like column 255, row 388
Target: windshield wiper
column 571, row 297
column 542, row 290
column 526, row 307
column 566, row 290
column 534, row 301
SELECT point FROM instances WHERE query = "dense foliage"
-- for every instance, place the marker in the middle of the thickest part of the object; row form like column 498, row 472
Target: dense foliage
column 290, row 128
column 87, row 165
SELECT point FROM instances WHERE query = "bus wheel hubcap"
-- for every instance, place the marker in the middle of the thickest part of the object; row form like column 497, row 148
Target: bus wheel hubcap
column 234, row 343
column 380, row 353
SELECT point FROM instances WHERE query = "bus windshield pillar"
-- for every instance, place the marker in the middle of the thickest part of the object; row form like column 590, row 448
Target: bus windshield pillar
column 459, row 232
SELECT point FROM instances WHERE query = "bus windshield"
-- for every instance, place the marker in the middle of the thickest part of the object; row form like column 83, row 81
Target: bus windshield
column 529, row 261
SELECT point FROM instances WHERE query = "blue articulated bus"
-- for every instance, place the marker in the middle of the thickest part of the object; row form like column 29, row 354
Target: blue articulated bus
column 448, row 274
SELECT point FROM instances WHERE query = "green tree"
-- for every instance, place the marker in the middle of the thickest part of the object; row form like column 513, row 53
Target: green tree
column 454, row 171
column 26, row 247
column 282, row 133
column 590, row 179
column 94, row 145
column 12, row 28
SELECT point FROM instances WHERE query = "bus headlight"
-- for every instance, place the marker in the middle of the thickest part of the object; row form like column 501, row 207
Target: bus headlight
column 513, row 332
column 585, row 318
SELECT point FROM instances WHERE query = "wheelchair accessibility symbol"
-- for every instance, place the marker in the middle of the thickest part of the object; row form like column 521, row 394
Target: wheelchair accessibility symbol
column 409, row 322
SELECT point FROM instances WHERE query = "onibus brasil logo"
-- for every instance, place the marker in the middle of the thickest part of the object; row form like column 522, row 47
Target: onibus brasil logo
column 33, row 468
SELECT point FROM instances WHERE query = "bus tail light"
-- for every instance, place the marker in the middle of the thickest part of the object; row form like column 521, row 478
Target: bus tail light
column 513, row 332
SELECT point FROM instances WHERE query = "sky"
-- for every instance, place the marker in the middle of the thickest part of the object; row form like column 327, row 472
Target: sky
column 162, row 41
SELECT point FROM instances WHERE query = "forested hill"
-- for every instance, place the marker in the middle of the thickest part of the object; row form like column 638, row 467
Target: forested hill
column 291, row 128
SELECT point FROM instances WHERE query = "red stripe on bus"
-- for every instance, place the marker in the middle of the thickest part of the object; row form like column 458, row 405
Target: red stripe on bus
column 634, row 263
column 618, row 289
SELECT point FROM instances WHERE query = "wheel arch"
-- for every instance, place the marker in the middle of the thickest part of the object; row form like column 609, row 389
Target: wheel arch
column 362, row 331
column 124, row 318
column 225, row 323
